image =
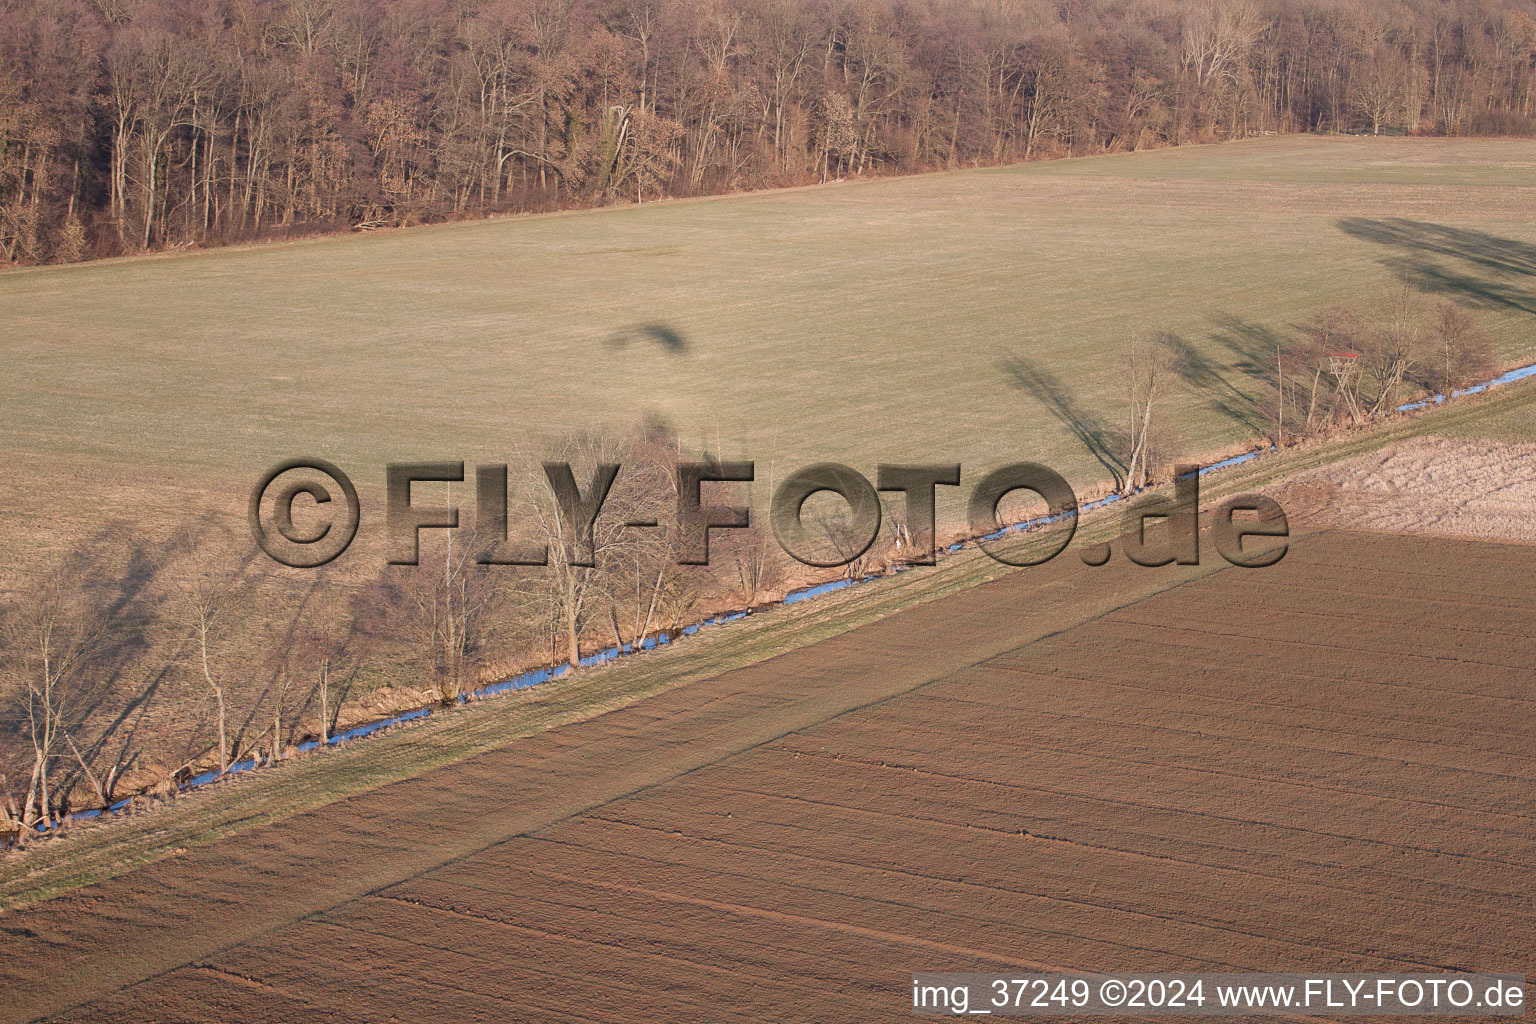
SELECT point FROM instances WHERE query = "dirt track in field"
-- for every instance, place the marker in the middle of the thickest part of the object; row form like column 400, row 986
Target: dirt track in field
column 1326, row 765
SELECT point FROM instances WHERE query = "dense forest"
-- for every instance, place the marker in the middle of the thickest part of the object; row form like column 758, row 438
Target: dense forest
column 141, row 124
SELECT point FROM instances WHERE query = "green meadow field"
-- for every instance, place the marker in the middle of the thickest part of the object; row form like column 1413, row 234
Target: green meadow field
column 979, row 316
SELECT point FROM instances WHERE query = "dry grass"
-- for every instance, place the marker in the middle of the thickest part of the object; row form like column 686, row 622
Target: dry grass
column 977, row 315
column 103, row 850
column 1224, row 771
column 1459, row 487
column 861, row 322
column 1515, row 424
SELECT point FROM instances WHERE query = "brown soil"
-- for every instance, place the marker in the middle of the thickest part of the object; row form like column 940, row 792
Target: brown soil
column 1325, row 765
column 1453, row 487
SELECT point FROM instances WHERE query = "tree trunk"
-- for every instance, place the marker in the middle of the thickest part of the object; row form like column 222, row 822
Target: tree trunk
column 572, row 638
column 325, row 703
column 223, row 733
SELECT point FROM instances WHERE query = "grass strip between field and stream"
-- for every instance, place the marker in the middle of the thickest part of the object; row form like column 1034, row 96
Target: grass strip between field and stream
column 94, row 851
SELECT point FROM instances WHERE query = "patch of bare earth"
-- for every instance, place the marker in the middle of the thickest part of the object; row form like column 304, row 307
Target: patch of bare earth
column 1325, row 765
column 1427, row 485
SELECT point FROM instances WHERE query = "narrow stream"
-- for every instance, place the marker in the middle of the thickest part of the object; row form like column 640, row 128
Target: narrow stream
column 535, row 677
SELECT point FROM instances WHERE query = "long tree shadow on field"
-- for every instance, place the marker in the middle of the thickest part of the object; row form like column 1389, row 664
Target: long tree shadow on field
column 1046, row 388
column 1474, row 266
column 1246, row 342
column 128, row 606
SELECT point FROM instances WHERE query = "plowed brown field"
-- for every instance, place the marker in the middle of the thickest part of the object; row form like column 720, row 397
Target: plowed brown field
column 1326, row 765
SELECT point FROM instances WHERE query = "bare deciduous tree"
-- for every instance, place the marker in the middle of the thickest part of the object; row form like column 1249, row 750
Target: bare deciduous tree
column 1393, row 348
column 560, row 514
column 448, row 604
column 646, row 585
column 1459, row 352
column 126, row 125
column 208, row 595
column 1149, row 364
column 53, row 634
column 1379, row 86
column 1327, row 359
column 755, row 564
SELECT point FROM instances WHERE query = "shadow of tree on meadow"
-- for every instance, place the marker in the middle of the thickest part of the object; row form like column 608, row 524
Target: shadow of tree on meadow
column 1476, row 267
column 1212, row 381
column 1030, row 377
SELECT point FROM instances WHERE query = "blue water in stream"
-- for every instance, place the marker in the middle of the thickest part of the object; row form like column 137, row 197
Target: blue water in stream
column 537, row 676
column 1508, row 378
